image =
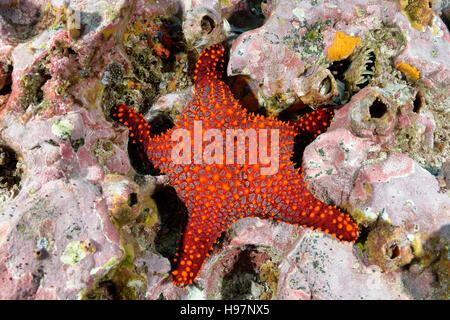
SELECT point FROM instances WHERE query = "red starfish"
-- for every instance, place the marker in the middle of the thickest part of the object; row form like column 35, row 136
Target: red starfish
column 217, row 194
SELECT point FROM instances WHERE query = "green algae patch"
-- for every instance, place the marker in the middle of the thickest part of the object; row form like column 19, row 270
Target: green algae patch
column 76, row 251
column 73, row 253
column 121, row 282
column 63, row 129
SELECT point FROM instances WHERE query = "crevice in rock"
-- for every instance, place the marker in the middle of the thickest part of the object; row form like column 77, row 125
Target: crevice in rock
column 6, row 80
column 392, row 251
column 20, row 19
column 378, row 109
column 173, row 220
column 237, row 283
column 10, row 173
column 338, row 68
column 250, row 18
column 418, row 102
column 207, row 24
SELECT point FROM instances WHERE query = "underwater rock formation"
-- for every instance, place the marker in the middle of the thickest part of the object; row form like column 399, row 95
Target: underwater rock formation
column 83, row 216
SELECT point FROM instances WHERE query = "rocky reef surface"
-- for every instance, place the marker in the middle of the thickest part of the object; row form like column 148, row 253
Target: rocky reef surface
column 83, row 216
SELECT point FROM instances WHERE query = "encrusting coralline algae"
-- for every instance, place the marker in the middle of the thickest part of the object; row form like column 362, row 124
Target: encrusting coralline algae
column 82, row 215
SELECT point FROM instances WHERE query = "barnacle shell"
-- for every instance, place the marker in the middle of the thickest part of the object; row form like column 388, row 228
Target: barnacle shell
column 320, row 87
column 388, row 247
column 370, row 63
column 204, row 26
column 373, row 113
column 362, row 69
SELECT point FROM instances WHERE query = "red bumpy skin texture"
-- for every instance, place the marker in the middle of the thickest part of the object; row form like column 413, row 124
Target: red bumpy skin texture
column 314, row 123
column 218, row 194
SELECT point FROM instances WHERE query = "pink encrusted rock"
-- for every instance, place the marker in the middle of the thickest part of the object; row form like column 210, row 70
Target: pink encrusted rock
column 249, row 56
column 307, row 264
column 250, row 245
column 332, row 180
column 122, row 197
column 400, row 201
column 83, row 213
column 43, row 245
column 320, row 268
column 57, row 236
column 395, row 190
column 157, row 268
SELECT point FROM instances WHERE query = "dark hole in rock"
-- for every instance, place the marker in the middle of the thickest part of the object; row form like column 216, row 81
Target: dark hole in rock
column 237, row 284
column 291, row 114
column 176, row 31
column 132, row 199
column 446, row 18
column 139, row 161
column 160, row 124
column 325, row 86
column 418, row 103
column 41, row 254
column 109, row 290
column 10, row 173
column 363, row 234
column 207, row 24
column 338, row 68
column 173, row 220
column 377, row 109
column 40, row 92
column 241, row 89
column 71, row 51
column 251, row 18
column 392, row 251
column 6, row 81
column 37, row 275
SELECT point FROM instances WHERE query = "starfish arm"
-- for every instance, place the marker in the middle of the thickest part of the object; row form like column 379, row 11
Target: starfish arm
column 293, row 203
column 210, row 65
column 314, row 123
column 138, row 127
column 202, row 230
column 157, row 148
column 212, row 101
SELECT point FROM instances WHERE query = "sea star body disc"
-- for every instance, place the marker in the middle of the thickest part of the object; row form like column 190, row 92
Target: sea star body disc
column 257, row 180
